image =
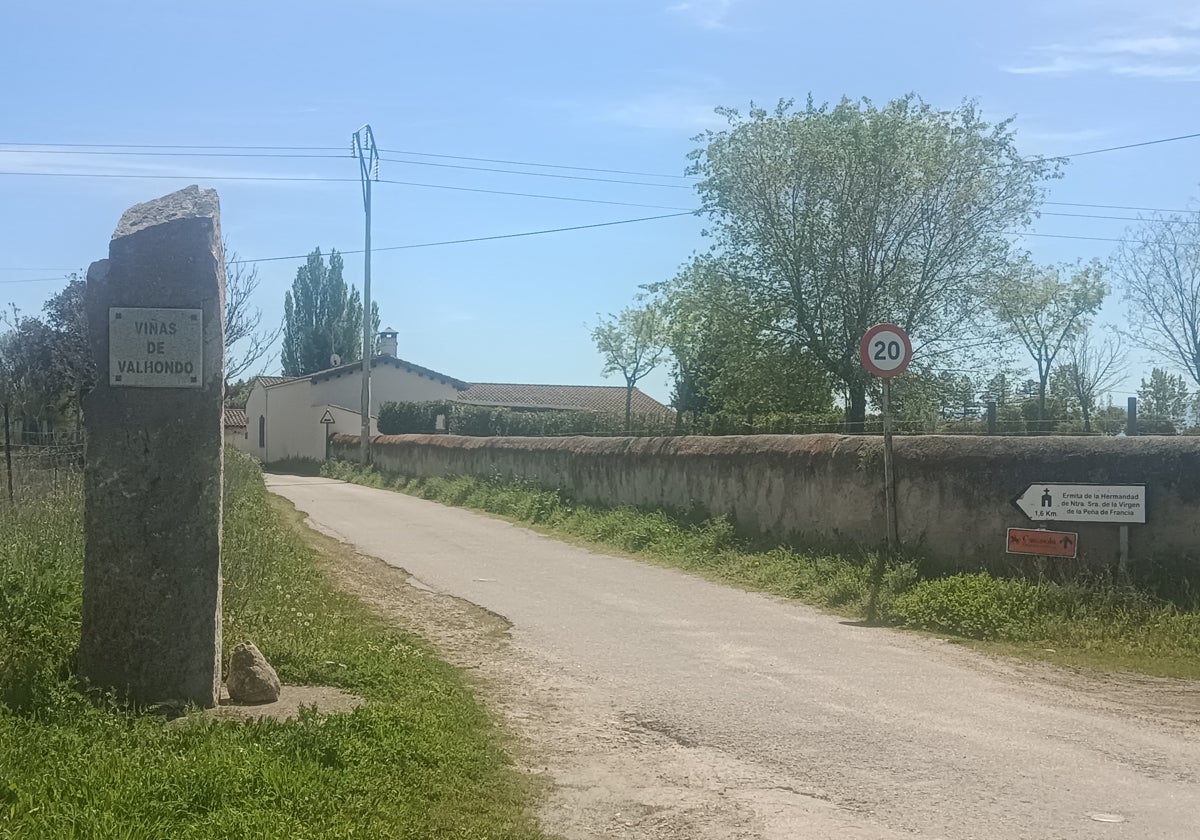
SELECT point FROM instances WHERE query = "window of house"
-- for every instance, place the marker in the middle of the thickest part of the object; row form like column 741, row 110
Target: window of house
column 262, row 432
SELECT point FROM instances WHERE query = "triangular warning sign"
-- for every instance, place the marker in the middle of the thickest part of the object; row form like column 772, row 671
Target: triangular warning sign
column 327, row 417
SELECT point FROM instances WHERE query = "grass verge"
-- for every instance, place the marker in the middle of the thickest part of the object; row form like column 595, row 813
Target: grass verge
column 1089, row 623
column 419, row 760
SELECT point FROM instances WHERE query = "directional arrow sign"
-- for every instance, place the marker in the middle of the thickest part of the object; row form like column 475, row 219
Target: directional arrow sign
column 1043, row 543
column 1123, row 503
column 327, row 417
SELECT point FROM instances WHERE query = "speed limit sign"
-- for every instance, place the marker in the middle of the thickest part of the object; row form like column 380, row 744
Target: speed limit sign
column 885, row 350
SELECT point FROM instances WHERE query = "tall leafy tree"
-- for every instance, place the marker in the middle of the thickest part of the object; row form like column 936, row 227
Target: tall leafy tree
column 31, row 384
column 633, row 344
column 1163, row 397
column 322, row 316
column 832, row 219
column 1045, row 309
column 723, row 361
column 72, row 356
column 1158, row 268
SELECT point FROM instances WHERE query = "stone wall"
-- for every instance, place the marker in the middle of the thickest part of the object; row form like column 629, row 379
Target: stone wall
column 953, row 492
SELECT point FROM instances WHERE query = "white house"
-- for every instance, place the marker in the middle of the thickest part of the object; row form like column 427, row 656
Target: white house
column 284, row 414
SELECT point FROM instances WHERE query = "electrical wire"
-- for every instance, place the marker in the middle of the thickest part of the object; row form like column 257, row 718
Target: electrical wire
column 286, row 179
column 538, row 174
column 492, row 238
column 178, row 149
column 1132, row 145
column 535, row 195
column 1119, row 207
column 294, row 156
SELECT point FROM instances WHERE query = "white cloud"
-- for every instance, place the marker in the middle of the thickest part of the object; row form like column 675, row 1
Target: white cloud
column 1183, row 72
column 1057, row 66
column 1148, row 45
column 707, row 14
column 1156, row 45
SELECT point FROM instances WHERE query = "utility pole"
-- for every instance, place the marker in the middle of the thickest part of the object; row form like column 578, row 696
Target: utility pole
column 364, row 148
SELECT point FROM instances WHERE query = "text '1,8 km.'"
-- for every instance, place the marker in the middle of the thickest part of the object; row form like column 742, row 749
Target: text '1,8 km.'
column 155, row 348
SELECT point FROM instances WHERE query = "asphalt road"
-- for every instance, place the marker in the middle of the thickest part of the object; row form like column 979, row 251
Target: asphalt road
column 894, row 734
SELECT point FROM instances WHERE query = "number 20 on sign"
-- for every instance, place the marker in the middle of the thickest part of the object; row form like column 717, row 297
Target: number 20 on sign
column 885, row 350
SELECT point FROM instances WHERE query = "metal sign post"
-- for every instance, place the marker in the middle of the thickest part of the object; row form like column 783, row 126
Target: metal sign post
column 886, row 351
column 327, row 421
column 889, row 474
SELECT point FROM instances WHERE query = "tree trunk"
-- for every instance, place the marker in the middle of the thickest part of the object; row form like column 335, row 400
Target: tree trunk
column 856, row 413
column 1042, row 423
column 629, row 406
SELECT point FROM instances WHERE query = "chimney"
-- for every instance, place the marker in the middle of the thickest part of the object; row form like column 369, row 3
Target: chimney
column 387, row 343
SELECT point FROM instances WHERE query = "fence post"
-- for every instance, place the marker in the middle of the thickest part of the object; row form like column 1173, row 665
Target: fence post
column 991, row 417
column 8, row 456
column 1131, row 418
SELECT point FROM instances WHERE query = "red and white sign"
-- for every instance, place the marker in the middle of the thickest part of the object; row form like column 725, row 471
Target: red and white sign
column 1043, row 543
column 885, row 350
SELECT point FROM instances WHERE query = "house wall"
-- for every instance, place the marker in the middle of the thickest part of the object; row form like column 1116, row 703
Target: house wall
column 953, row 492
column 236, row 436
column 388, row 384
column 293, row 422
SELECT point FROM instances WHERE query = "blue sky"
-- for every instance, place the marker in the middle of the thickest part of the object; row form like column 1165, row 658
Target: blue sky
column 617, row 84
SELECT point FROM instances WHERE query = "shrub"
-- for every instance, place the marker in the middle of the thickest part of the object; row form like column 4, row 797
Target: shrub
column 977, row 606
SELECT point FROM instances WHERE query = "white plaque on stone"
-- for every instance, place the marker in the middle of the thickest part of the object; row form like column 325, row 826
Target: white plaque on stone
column 155, row 348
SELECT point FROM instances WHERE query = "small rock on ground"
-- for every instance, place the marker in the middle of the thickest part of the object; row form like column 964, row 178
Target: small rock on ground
column 251, row 678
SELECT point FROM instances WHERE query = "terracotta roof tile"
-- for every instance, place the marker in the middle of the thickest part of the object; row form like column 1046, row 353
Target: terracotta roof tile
column 609, row 399
column 235, row 417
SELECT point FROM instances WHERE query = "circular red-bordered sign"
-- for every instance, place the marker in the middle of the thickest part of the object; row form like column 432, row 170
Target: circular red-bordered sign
column 885, row 350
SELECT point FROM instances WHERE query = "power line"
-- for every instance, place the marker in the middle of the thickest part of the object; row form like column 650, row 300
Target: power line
column 537, row 195
column 177, row 177
column 294, row 156
column 203, row 150
column 1132, row 145
column 540, row 165
column 1118, row 207
column 35, row 279
column 482, row 238
column 412, row 246
column 1070, row 236
column 111, row 153
column 540, row 174
column 64, row 270
column 287, row 179
column 178, row 146
column 1117, row 218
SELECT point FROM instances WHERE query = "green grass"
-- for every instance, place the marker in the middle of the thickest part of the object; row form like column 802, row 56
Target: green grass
column 420, row 759
column 1089, row 623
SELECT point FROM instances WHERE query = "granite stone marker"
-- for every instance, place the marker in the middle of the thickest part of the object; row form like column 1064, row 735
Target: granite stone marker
column 153, row 464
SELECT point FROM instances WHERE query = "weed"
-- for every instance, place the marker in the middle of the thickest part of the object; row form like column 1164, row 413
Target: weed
column 418, row 760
